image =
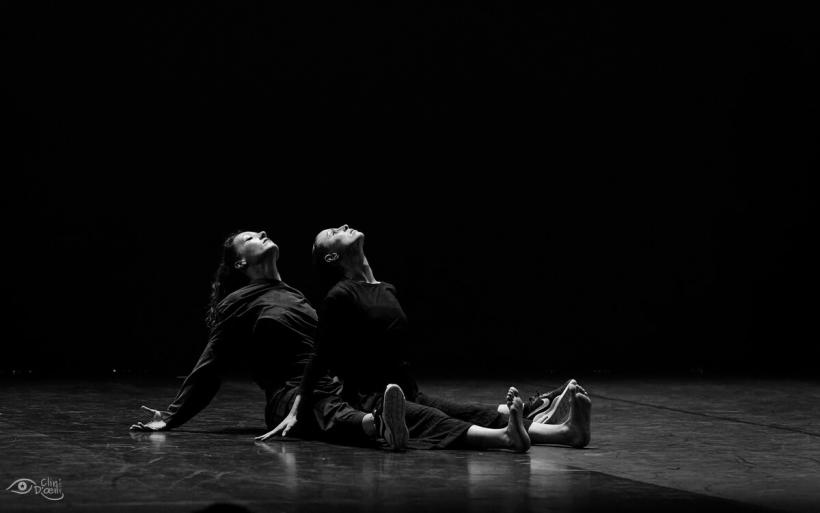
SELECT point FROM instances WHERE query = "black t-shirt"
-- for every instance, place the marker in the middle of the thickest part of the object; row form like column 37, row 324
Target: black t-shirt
column 363, row 335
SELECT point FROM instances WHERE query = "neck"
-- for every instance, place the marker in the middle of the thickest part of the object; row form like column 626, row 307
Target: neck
column 265, row 271
column 360, row 270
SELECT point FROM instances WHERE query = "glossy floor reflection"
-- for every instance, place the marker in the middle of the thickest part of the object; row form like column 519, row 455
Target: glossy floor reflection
column 723, row 445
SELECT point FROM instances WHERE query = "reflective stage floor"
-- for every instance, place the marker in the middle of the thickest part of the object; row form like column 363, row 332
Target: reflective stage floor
column 657, row 445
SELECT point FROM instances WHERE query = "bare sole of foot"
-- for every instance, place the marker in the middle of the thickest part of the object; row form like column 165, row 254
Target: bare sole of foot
column 517, row 433
column 579, row 421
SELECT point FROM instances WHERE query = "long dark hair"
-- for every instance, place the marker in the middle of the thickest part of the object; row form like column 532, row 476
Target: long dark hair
column 226, row 279
column 328, row 274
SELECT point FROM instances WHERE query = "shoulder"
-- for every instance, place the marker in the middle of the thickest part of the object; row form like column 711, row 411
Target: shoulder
column 341, row 294
column 259, row 298
column 246, row 295
column 232, row 304
column 343, row 289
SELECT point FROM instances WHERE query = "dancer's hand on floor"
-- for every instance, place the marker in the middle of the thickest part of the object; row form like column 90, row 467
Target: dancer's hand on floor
column 158, row 423
column 284, row 426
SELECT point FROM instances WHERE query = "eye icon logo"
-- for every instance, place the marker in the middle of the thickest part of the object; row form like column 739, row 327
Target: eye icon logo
column 22, row 486
column 48, row 488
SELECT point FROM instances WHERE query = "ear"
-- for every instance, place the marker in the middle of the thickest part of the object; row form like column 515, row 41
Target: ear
column 240, row 264
column 331, row 257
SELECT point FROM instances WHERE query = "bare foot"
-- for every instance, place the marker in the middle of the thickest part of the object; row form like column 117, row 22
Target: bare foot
column 558, row 391
column 559, row 410
column 579, row 420
column 581, row 389
column 539, row 404
column 517, row 434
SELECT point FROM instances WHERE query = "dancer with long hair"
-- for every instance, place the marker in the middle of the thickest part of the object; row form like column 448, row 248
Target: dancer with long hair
column 258, row 320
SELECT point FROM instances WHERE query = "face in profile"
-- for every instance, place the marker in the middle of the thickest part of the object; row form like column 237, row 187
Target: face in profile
column 253, row 247
column 339, row 240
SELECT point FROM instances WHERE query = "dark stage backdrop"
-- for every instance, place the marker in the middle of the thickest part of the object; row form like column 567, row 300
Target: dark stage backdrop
column 568, row 190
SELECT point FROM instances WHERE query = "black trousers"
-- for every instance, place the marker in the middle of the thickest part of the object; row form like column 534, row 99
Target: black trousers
column 433, row 422
column 429, row 427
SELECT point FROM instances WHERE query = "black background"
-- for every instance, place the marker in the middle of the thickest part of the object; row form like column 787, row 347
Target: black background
column 585, row 189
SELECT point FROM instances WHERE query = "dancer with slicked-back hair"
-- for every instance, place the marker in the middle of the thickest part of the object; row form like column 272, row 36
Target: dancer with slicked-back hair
column 362, row 335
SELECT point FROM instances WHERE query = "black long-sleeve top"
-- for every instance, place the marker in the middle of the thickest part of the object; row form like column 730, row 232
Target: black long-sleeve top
column 269, row 327
column 363, row 333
